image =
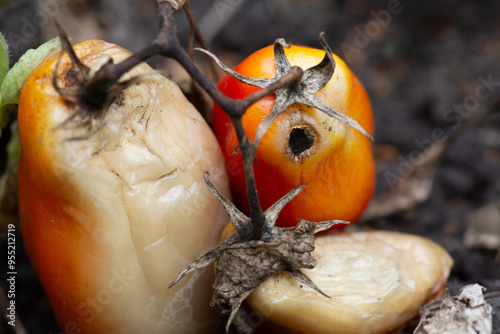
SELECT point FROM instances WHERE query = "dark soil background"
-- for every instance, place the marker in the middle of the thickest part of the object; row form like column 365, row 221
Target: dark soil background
column 427, row 65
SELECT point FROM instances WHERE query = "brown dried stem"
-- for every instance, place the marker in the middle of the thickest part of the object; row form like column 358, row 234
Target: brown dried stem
column 166, row 43
column 234, row 108
column 195, row 31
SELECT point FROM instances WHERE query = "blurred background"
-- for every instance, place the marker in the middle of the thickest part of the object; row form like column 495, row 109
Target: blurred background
column 428, row 66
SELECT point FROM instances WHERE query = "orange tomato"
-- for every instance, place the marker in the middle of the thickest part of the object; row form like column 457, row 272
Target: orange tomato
column 303, row 145
column 111, row 218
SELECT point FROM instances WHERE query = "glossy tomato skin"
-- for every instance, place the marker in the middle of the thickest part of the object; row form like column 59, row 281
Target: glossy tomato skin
column 338, row 170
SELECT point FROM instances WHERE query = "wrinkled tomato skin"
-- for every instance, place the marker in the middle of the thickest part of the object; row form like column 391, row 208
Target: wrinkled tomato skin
column 340, row 175
column 108, row 224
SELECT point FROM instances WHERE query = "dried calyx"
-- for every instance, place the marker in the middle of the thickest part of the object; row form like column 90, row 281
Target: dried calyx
column 89, row 97
column 303, row 90
column 244, row 263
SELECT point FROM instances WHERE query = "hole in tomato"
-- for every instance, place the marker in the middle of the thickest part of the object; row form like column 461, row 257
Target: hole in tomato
column 300, row 140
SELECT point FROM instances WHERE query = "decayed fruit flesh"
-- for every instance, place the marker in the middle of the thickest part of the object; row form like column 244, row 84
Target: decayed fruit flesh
column 377, row 281
column 109, row 220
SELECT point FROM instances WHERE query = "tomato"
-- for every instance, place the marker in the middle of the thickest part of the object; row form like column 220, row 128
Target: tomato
column 114, row 206
column 377, row 281
column 303, row 145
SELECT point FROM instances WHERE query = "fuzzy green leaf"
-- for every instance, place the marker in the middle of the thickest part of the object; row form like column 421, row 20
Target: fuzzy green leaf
column 13, row 82
column 4, row 58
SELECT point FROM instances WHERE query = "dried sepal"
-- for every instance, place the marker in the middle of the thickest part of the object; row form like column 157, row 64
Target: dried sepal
column 304, row 279
column 258, row 82
column 239, row 220
column 206, row 259
column 80, row 69
column 243, row 264
column 274, row 210
column 86, row 111
column 303, row 90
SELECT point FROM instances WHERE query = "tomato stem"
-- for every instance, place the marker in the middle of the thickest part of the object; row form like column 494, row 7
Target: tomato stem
column 196, row 33
column 96, row 90
column 247, row 148
column 235, row 109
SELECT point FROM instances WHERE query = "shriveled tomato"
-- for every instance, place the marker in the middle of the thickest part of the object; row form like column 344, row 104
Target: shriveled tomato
column 377, row 281
column 112, row 199
column 303, row 145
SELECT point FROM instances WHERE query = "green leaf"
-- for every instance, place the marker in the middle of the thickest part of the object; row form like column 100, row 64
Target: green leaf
column 4, row 58
column 13, row 82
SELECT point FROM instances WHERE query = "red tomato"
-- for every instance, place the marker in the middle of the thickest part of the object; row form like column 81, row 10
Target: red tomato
column 303, row 145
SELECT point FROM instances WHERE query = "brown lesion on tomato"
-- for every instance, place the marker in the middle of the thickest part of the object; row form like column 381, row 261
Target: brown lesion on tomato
column 301, row 141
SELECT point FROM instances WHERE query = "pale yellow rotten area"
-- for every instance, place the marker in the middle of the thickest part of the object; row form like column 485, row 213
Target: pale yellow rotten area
column 136, row 186
column 377, row 281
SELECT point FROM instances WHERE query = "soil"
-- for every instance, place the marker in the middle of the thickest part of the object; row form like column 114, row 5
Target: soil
column 428, row 66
